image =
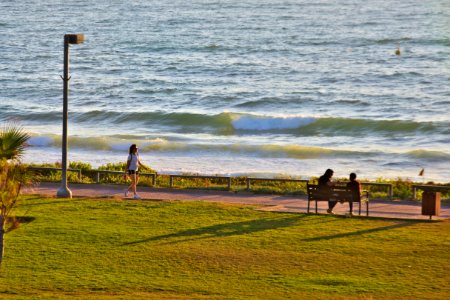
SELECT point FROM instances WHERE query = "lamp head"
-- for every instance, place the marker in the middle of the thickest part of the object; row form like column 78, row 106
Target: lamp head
column 74, row 38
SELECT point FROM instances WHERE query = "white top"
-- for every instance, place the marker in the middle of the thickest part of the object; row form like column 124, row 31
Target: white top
column 133, row 158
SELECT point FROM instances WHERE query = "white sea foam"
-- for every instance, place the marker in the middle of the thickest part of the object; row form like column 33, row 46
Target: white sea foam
column 145, row 144
column 40, row 141
column 120, row 147
column 255, row 122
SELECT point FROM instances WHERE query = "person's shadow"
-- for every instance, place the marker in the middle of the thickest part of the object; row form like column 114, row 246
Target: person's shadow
column 361, row 232
column 223, row 230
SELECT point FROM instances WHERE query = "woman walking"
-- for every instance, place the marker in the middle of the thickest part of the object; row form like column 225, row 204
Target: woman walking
column 133, row 163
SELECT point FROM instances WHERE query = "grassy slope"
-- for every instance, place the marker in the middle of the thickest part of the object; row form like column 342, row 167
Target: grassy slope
column 176, row 250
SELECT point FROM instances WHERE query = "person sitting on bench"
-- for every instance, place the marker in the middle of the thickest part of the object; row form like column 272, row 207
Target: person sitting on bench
column 355, row 186
column 325, row 186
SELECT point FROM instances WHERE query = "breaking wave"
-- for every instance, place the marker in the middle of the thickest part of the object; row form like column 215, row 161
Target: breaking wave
column 229, row 123
column 161, row 145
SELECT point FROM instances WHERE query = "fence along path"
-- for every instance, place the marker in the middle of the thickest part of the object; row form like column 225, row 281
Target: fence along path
column 227, row 178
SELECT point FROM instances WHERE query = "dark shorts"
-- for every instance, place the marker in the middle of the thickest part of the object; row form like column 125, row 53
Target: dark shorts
column 133, row 172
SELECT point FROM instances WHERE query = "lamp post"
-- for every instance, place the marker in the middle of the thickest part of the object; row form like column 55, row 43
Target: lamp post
column 63, row 191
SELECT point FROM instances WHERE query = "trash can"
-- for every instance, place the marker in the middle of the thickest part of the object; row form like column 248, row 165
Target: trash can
column 431, row 203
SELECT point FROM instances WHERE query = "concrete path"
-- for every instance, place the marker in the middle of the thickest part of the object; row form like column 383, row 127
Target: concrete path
column 378, row 208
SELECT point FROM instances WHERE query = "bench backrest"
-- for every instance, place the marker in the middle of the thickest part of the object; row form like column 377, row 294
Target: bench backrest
column 343, row 193
column 314, row 192
column 339, row 192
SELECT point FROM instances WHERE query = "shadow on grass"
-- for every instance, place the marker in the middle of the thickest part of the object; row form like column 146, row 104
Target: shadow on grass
column 56, row 200
column 360, row 232
column 21, row 219
column 223, row 230
column 15, row 222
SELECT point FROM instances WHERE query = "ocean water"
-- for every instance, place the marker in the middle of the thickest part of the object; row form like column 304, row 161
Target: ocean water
column 236, row 87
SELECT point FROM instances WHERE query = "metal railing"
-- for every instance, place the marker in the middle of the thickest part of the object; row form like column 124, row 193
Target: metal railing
column 250, row 179
column 171, row 177
column 98, row 172
column 228, row 179
column 56, row 169
column 388, row 185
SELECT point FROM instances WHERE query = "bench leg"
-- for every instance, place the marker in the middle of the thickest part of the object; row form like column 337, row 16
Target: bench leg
column 316, row 206
column 359, row 207
column 367, row 208
column 308, row 206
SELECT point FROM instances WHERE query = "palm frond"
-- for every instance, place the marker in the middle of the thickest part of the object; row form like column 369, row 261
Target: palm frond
column 13, row 141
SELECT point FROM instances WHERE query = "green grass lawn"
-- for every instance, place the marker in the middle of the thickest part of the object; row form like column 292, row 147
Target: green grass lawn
column 106, row 248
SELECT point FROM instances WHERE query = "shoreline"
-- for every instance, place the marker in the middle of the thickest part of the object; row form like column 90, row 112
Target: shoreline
column 222, row 165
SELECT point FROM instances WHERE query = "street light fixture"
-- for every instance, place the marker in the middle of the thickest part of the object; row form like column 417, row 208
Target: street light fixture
column 63, row 191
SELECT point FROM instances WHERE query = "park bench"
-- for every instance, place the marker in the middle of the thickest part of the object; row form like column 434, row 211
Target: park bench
column 338, row 193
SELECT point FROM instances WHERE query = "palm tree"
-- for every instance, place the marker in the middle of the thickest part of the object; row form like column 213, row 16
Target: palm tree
column 11, row 179
column 13, row 141
column 13, row 175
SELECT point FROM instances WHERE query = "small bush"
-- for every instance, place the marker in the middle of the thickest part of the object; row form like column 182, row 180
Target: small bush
column 402, row 188
column 80, row 165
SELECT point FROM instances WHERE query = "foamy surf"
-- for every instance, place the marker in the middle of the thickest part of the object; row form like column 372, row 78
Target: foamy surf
column 257, row 122
column 238, row 147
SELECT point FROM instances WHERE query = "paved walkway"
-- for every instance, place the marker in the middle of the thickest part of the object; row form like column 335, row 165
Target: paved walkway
column 378, row 208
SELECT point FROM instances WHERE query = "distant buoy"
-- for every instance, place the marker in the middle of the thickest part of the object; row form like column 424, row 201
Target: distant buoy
column 398, row 52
